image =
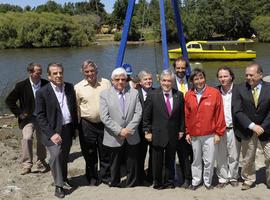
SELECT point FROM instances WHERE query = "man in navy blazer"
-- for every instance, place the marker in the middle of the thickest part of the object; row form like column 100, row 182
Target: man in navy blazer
column 57, row 116
column 252, row 113
column 25, row 110
column 163, row 124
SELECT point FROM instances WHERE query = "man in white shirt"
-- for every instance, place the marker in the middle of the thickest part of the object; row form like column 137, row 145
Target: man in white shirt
column 57, row 117
column 228, row 150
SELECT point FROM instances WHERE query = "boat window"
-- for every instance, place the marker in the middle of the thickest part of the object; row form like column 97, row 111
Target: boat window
column 196, row 46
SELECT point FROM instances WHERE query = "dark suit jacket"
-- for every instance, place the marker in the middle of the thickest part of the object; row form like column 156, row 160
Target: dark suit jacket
column 24, row 94
column 142, row 103
column 156, row 119
column 233, row 103
column 245, row 111
column 49, row 113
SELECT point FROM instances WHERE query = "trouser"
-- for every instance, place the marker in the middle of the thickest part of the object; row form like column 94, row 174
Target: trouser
column 130, row 152
column 91, row 137
column 144, row 144
column 249, row 148
column 203, row 149
column 185, row 157
column 59, row 156
column 227, row 157
column 28, row 131
column 158, row 157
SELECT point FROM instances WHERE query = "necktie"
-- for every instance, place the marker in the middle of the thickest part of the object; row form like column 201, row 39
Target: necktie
column 122, row 102
column 183, row 87
column 255, row 95
column 168, row 104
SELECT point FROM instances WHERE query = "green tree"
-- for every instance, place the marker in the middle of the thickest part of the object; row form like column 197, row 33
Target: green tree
column 261, row 25
column 7, row 7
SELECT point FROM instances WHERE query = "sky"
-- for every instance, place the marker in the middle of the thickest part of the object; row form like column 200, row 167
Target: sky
column 33, row 3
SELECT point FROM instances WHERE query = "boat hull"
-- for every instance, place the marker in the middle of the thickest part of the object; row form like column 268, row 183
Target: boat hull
column 213, row 54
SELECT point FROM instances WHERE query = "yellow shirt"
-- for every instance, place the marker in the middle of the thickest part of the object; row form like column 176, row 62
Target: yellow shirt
column 88, row 99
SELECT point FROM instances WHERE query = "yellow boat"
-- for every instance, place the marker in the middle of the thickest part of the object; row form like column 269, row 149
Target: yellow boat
column 216, row 50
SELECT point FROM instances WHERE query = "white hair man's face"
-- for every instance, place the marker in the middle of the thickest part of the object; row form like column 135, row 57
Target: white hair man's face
column 146, row 81
column 119, row 82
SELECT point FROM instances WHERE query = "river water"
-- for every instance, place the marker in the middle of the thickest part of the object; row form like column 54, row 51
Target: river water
column 142, row 56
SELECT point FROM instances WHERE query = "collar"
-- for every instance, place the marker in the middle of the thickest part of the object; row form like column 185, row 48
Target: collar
column 201, row 92
column 170, row 93
column 56, row 88
column 229, row 91
column 179, row 80
column 33, row 84
column 86, row 83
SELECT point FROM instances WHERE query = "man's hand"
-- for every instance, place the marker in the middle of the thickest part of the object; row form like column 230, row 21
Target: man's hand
column 56, row 139
column 188, row 138
column 180, row 135
column 258, row 129
column 125, row 132
column 216, row 139
column 148, row 136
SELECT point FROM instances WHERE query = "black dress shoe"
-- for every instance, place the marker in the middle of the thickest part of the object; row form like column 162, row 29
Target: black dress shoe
column 186, row 184
column 59, row 192
column 158, row 187
column 168, row 186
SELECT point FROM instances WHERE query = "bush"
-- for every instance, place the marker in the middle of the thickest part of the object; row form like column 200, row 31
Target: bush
column 117, row 36
column 261, row 25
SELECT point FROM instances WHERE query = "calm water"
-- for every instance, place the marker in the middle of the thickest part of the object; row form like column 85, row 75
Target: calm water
column 142, row 56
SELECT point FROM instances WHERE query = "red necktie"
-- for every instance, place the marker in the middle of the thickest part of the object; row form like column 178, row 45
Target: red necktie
column 168, row 104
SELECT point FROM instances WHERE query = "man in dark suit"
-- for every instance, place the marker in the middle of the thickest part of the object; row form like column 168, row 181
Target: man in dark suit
column 253, row 122
column 184, row 150
column 146, row 83
column 24, row 93
column 163, row 124
column 57, row 116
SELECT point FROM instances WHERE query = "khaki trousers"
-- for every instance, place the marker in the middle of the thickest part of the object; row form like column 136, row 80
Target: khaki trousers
column 249, row 148
column 28, row 132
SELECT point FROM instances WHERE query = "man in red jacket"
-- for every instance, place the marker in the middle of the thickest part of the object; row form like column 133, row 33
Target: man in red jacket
column 205, row 124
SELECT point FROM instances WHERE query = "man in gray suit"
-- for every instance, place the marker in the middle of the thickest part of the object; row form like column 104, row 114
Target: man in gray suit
column 120, row 112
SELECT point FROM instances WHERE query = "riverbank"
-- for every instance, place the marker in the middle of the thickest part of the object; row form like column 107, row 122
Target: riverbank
column 37, row 186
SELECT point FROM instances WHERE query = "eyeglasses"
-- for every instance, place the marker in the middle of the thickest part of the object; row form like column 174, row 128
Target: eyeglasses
column 120, row 79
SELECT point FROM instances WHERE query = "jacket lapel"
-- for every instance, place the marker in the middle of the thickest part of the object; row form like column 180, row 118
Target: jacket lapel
column 175, row 100
column 262, row 94
column 127, row 101
column 163, row 103
column 52, row 97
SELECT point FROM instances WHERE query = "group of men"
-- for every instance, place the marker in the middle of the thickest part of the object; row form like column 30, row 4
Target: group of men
column 118, row 124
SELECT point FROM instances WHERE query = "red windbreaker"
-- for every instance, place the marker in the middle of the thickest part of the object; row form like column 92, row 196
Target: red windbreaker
column 207, row 117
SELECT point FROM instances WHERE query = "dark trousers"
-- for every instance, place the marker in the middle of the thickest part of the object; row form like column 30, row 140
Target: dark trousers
column 130, row 152
column 59, row 156
column 143, row 151
column 158, row 158
column 185, row 156
column 91, row 137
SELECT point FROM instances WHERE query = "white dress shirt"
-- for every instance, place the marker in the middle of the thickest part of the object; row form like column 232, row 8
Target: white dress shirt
column 62, row 100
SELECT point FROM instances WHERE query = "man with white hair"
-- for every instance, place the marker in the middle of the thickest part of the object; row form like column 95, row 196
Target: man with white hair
column 120, row 112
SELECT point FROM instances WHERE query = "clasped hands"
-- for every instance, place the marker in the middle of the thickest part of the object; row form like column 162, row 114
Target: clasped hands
column 125, row 132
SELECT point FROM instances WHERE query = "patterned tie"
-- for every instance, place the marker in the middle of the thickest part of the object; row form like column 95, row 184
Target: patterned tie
column 183, row 87
column 255, row 94
column 122, row 102
column 168, row 104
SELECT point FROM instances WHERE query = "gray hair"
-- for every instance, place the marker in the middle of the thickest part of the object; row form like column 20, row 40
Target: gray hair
column 167, row 72
column 118, row 71
column 143, row 73
column 89, row 63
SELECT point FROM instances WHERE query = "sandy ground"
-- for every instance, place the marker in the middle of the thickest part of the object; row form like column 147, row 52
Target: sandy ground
column 39, row 186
